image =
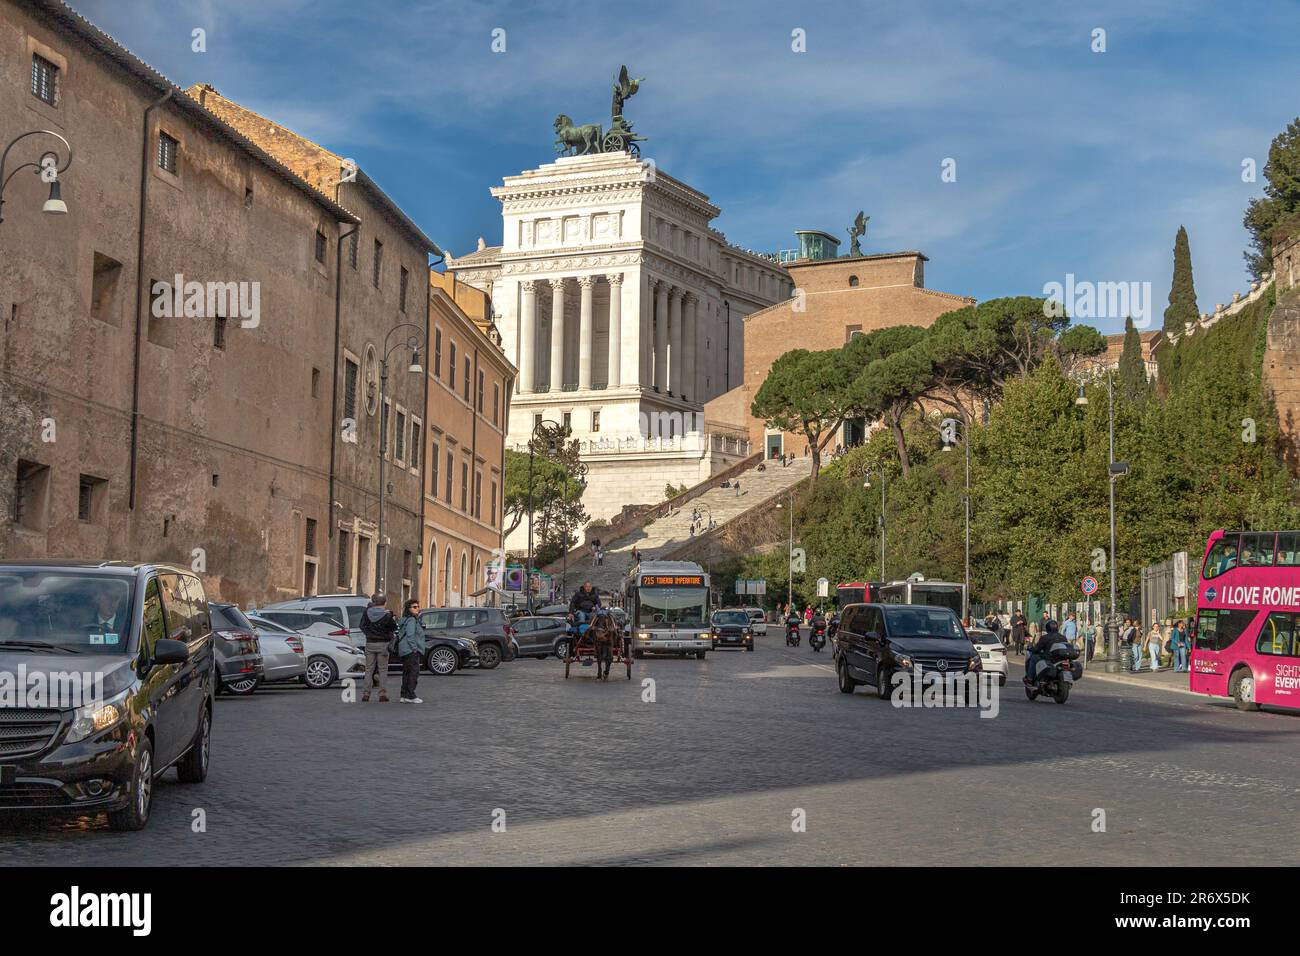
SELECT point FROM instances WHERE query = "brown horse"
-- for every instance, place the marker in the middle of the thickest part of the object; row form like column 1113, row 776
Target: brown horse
column 578, row 139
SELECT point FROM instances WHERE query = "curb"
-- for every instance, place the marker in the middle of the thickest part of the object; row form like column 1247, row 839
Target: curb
column 1134, row 682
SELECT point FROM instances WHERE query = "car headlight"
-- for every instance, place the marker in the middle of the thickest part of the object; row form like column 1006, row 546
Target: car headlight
column 643, row 635
column 974, row 663
column 348, row 649
column 96, row 717
column 903, row 661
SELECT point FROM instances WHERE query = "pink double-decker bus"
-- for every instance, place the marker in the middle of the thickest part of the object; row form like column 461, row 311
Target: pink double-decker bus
column 1246, row 643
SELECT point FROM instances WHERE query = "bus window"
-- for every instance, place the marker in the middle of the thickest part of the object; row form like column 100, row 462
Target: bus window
column 1217, row 628
column 1278, row 636
column 1256, row 550
column 1222, row 557
column 1288, row 548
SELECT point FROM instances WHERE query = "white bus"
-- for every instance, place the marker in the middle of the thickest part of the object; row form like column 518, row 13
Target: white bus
column 917, row 590
column 668, row 608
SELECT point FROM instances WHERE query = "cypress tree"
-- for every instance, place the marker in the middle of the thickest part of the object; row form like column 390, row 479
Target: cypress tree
column 1132, row 370
column 1182, row 293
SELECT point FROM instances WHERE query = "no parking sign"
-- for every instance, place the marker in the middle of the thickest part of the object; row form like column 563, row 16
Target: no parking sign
column 1089, row 584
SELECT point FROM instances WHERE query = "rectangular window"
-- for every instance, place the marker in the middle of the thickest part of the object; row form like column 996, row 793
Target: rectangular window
column 168, row 149
column 309, row 545
column 464, row 487
column 451, row 368
column 320, row 247
column 379, row 261
column 350, row 373
column 465, row 380
column 595, row 420
column 401, row 289
column 1278, row 637
column 1257, row 549
column 537, row 420
column 352, row 250
column 30, row 488
column 219, row 332
column 478, row 494
column 480, row 392
column 45, row 79
column 417, row 445
column 345, row 557
column 451, row 463
column 437, row 353
column 496, row 402
column 567, row 420
column 406, row 565
column 1218, row 628
column 315, row 383
column 401, row 436
column 493, row 506
column 91, row 493
column 383, row 428
column 1288, row 548
column 103, row 289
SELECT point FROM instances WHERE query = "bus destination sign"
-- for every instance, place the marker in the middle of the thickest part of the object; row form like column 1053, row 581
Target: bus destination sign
column 672, row 580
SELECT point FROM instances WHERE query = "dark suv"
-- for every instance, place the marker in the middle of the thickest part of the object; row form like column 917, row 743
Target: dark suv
column 875, row 640
column 125, row 654
column 487, row 627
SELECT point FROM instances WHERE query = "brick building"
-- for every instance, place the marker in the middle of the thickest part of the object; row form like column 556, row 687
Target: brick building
column 834, row 299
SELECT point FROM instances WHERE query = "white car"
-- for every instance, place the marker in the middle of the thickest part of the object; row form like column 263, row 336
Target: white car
column 757, row 620
column 329, row 659
column 319, row 623
column 993, row 655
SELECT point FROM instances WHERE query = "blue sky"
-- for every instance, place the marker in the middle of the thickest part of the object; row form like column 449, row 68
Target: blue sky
column 1068, row 161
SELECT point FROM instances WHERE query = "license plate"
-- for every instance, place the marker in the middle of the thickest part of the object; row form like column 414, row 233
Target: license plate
column 1068, row 677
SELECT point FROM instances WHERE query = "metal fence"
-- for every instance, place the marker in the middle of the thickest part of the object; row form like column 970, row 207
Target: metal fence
column 1164, row 590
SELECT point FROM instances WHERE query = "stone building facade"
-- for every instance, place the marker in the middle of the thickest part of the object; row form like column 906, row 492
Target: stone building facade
column 623, row 311
column 834, row 299
column 470, row 384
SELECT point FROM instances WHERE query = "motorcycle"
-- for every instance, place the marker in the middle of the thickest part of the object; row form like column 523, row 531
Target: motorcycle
column 792, row 634
column 817, row 635
column 1056, row 673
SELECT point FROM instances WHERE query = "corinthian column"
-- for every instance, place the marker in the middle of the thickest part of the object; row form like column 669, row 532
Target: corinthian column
column 661, row 336
column 690, row 344
column 675, row 343
column 614, row 375
column 585, row 332
column 557, row 335
column 527, row 335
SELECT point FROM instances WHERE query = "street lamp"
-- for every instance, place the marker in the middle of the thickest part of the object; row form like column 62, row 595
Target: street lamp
column 47, row 168
column 412, row 342
column 965, row 440
column 789, row 564
column 543, row 425
column 867, row 484
column 1114, row 469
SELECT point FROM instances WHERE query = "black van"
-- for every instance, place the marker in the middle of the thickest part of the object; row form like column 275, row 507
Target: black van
column 875, row 640
column 124, row 654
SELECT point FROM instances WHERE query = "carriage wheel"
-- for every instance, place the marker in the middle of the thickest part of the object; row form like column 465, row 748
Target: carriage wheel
column 634, row 149
column 614, row 142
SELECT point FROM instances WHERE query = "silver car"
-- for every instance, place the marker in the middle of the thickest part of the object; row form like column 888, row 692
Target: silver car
column 328, row 659
column 283, row 656
column 319, row 623
column 344, row 608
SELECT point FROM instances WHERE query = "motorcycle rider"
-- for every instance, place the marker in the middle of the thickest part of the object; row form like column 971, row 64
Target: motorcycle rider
column 1051, row 635
column 792, row 620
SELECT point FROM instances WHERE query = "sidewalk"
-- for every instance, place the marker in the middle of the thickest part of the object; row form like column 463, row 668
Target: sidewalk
column 1164, row 679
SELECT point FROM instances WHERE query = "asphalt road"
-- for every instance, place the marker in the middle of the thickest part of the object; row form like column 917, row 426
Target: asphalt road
column 714, row 771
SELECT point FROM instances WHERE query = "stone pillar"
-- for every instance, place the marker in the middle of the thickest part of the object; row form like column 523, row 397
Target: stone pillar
column 614, row 376
column 557, row 335
column 528, row 336
column 585, row 332
column 675, row 343
column 690, row 345
column 661, row 336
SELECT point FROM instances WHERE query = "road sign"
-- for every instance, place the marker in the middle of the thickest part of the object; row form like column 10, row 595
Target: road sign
column 1089, row 584
column 823, row 587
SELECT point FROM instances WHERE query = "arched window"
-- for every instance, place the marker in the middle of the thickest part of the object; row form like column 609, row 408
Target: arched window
column 853, row 282
column 464, row 571
column 478, row 575
column 433, row 573
column 446, row 578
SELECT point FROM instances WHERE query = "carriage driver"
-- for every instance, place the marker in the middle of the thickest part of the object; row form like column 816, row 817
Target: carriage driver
column 584, row 603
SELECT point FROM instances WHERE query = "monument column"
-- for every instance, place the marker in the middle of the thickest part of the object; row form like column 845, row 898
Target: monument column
column 675, row 343
column 557, row 335
column 661, row 336
column 690, row 383
column 527, row 335
column 585, row 332
column 614, row 374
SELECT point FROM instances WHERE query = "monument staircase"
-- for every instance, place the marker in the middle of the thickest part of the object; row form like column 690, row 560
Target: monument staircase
column 672, row 528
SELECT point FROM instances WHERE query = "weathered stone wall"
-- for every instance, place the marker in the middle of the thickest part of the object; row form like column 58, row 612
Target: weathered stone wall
column 1282, row 371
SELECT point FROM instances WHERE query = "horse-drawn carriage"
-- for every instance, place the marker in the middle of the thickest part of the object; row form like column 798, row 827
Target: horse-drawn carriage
column 582, row 649
column 579, row 140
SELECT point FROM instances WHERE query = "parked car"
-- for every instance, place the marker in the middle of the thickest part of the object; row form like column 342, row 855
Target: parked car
column 731, row 627
column 487, row 627
column 446, row 654
column 757, row 620
column 145, row 630
column 992, row 652
column 876, row 640
column 239, row 656
column 344, row 608
column 282, row 653
column 320, row 623
column 541, row 636
column 328, row 658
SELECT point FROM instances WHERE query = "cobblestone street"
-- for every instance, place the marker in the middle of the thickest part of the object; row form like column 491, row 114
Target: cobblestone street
column 711, row 772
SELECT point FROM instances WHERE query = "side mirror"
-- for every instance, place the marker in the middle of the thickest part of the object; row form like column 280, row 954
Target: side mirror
column 170, row 652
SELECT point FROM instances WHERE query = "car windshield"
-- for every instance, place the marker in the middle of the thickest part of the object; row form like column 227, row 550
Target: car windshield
column 671, row 606
column 911, row 621
column 731, row 617
column 69, row 609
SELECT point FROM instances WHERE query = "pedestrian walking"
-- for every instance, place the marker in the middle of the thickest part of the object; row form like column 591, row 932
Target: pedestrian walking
column 1178, row 644
column 1019, row 631
column 1070, row 630
column 411, row 645
column 636, row 555
column 737, row 489
column 379, row 627
column 1154, row 641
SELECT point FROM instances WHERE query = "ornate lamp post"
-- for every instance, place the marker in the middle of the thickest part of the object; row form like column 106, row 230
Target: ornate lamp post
column 412, row 342
column 47, row 168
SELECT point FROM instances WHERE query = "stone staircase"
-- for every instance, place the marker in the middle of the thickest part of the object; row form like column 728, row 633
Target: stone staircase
column 669, row 532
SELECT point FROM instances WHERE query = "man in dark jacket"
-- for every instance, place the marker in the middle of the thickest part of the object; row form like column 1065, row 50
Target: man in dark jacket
column 1051, row 635
column 379, row 626
column 584, row 602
